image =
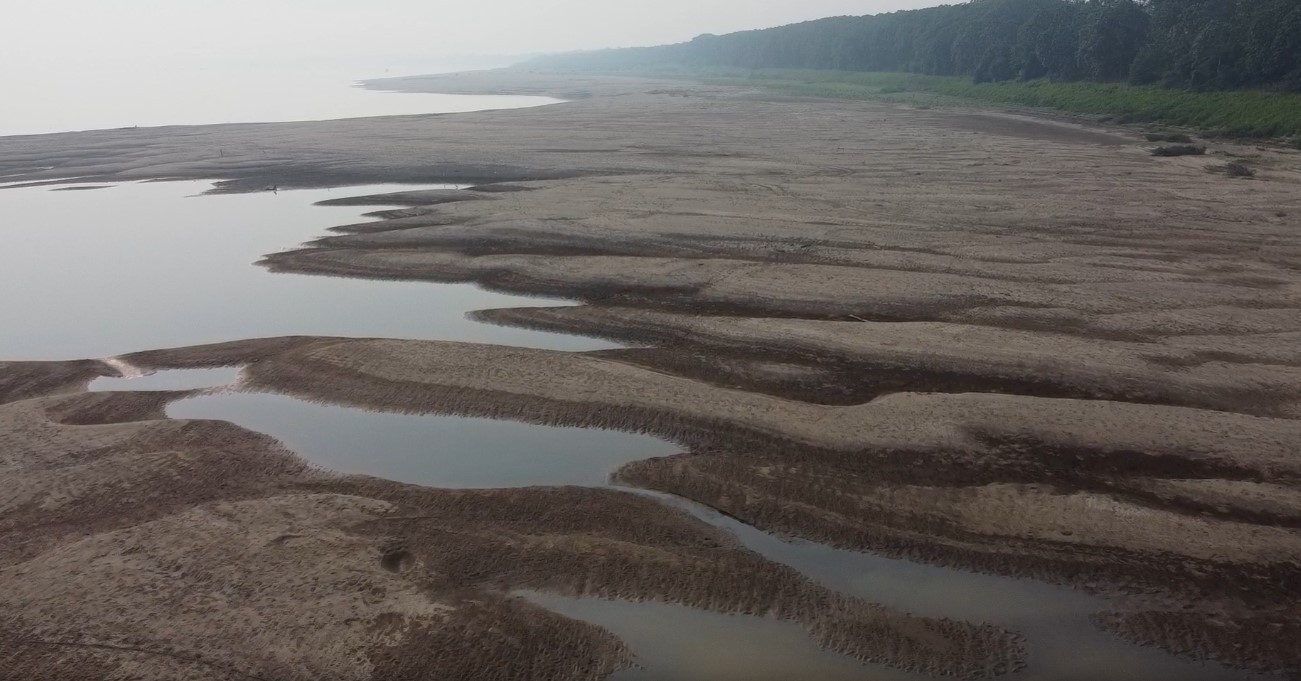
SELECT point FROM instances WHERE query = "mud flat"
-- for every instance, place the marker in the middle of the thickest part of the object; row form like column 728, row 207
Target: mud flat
column 1014, row 485
column 995, row 343
column 113, row 504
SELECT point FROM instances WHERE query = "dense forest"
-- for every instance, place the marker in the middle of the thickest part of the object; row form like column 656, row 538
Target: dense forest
column 1195, row 44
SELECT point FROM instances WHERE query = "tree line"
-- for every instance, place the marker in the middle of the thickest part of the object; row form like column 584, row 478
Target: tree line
column 1195, row 44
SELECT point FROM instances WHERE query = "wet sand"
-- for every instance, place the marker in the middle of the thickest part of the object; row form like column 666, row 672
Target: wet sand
column 110, row 503
column 997, row 343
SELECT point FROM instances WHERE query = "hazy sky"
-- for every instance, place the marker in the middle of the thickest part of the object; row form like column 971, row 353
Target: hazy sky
column 87, row 31
column 81, row 64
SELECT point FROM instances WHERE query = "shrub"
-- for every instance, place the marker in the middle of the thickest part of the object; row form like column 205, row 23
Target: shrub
column 1177, row 137
column 1238, row 170
column 1179, row 150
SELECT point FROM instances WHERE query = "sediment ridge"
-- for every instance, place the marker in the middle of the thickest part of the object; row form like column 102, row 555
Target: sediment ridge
column 206, row 512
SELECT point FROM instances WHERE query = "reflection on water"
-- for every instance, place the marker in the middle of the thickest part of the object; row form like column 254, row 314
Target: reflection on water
column 677, row 643
column 152, row 265
column 438, row 451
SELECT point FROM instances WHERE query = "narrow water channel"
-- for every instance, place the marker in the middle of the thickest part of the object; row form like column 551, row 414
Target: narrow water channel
column 175, row 379
column 1061, row 643
column 172, row 268
column 677, row 643
column 437, row 451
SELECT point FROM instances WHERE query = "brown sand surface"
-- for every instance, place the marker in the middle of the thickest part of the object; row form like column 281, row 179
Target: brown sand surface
column 993, row 341
column 949, row 357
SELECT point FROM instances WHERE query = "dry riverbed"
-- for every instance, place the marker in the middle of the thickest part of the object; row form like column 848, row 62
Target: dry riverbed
column 1003, row 344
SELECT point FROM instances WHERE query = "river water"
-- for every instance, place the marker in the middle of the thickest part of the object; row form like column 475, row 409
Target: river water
column 145, row 265
column 138, row 266
column 91, row 97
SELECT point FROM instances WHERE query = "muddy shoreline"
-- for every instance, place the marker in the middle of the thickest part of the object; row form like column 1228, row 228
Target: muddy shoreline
column 1021, row 348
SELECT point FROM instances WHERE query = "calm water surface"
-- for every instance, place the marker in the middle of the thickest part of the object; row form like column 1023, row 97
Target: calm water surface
column 174, row 379
column 438, row 451
column 150, row 94
column 149, row 265
column 677, row 643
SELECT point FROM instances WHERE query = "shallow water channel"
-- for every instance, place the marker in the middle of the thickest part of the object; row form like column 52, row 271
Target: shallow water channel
column 149, row 265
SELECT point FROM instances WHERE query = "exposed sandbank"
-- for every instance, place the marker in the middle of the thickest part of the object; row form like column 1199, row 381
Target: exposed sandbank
column 108, row 502
column 1141, row 316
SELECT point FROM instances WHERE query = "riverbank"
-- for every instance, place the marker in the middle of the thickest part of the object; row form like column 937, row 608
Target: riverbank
column 994, row 342
column 1240, row 113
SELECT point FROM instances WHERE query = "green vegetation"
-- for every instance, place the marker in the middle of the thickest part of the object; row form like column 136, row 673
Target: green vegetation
column 1198, row 44
column 1213, row 64
column 1229, row 114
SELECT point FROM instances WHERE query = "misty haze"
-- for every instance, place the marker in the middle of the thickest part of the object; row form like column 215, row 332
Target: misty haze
column 726, row 340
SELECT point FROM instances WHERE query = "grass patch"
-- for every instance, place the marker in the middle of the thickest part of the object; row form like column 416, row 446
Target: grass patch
column 1242, row 113
column 1179, row 150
